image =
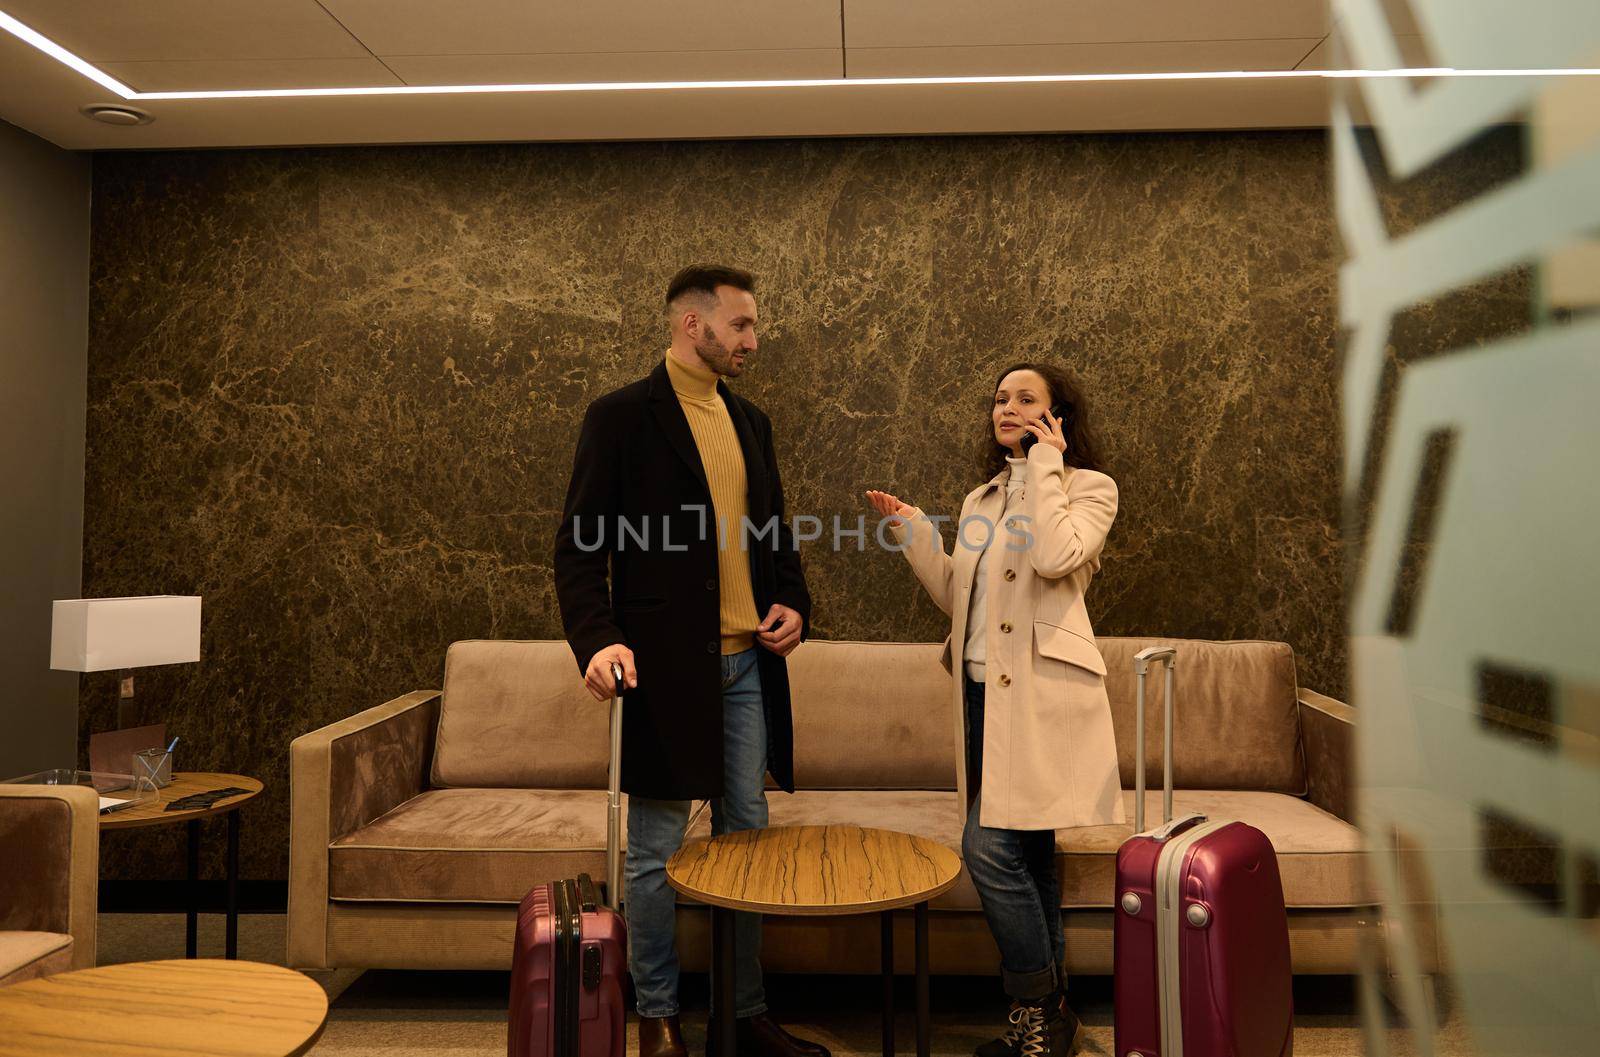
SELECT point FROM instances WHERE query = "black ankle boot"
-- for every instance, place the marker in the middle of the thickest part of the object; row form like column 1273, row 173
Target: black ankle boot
column 1007, row 1045
column 1010, row 1044
column 1048, row 1028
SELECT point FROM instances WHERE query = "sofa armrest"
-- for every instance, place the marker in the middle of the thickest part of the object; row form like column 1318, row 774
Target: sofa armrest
column 340, row 778
column 50, row 842
column 1327, row 736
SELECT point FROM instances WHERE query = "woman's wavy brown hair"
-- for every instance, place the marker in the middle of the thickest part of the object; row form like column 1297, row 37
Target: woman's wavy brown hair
column 1083, row 448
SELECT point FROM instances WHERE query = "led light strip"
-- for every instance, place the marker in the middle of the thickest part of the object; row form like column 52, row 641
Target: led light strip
column 67, row 58
column 63, row 56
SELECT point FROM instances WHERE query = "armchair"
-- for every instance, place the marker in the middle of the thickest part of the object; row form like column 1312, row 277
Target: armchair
column 50, row 842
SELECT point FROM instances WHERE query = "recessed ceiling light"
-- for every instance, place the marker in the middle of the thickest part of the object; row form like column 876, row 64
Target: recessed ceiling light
column 114, row 114
column 87, row 69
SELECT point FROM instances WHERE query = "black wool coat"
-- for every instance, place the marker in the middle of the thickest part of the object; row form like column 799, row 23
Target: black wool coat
column 636, row 462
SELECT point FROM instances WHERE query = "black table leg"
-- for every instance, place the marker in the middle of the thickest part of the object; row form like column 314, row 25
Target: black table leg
column 726, row 1022
column 888, row 982
column 192, row 934
column 233, row 885
column 924, row 1018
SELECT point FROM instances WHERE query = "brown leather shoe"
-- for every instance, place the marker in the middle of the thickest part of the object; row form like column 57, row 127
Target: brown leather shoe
column 661, row 1037
column 761, row 1036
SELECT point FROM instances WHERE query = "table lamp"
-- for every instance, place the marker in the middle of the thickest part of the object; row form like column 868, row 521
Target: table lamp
column 100, row 634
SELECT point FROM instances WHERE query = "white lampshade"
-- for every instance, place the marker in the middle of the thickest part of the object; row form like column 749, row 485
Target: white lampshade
column 97, row 634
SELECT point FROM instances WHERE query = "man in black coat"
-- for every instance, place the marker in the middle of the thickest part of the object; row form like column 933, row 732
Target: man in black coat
column 675, row 493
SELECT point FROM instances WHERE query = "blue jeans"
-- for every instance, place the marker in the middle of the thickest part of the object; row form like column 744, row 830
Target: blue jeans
column 1014, row 871
column 655, row 831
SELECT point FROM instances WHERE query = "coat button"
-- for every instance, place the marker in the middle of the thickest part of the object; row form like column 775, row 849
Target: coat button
column 711, row 647
column 1006, row 627
column 711, row 585
column 1004, row 680
column 1011, row 574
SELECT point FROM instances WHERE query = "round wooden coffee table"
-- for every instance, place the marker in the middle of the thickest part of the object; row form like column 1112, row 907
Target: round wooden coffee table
column 816, row 870
column 155, row 813
column 183, row 1008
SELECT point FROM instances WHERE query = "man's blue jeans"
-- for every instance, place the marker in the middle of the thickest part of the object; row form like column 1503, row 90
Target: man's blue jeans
column 655, row 831
column 1014, row 871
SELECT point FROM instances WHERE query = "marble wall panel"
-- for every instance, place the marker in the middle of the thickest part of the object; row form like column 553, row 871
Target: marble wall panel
column 336, row 392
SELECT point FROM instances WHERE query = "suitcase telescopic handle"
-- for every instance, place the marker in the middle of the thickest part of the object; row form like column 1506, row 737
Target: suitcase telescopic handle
column 1167, row 657
column 614, row 797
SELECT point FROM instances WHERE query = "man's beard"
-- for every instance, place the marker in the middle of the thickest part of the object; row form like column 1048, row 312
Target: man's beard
column 717, row 356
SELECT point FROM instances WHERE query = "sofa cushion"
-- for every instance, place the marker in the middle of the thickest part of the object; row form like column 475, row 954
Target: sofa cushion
column 30, row 955
column 473, row 846
column 1237, row 714
column 492, row 845
column 516, row 714
column 1319, row 855
column 871, row 715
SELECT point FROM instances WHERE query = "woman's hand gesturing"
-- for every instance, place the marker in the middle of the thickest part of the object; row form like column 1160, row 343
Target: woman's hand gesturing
column 890, row 507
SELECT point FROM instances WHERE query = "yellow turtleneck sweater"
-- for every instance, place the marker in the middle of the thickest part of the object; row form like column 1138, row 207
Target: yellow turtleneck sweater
column 723, row 459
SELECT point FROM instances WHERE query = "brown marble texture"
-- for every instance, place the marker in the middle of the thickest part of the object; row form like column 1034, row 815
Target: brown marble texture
column 336, row 392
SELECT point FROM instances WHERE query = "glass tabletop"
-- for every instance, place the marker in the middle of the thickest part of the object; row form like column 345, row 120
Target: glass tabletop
column 118, row 792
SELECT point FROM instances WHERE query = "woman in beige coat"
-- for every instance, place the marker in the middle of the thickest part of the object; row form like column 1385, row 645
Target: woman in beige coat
column 1029, row 692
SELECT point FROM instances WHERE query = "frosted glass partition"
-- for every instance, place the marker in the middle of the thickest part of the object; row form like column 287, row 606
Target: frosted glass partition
column 1472, row 498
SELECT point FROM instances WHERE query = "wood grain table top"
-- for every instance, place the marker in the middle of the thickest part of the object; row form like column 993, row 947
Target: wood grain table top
column 178, row 1008
column 814, row 870
column 184, row 783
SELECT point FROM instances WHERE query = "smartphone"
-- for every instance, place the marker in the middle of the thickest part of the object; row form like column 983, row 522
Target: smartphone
column 1060, row 413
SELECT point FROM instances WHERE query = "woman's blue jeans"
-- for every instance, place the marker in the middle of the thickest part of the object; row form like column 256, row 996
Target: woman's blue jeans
column 1014, row 871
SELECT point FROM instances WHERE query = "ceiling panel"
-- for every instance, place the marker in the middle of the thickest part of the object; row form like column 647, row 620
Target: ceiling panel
column 200, row 75
column 723, row 113
column 621, row 66
column 1402, row 20
column 498, row 27
column 462, row 27
column 105, row 31
column 40, row 95
column 1413, row 53
column 1019, row 59
column 899, row 23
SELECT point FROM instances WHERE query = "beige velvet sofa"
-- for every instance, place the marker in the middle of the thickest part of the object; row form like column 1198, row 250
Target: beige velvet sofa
column 418, row 825
column 50, row 845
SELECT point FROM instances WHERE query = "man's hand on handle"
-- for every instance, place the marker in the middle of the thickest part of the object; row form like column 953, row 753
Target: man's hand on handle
column 599, row 679
column 780, row 631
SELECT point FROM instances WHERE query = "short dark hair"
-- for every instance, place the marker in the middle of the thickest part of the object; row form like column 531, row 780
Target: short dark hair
column 705, row 278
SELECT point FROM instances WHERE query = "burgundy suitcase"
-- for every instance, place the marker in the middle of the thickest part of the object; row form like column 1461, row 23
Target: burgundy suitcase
column 571, row 951
column 1201, row 937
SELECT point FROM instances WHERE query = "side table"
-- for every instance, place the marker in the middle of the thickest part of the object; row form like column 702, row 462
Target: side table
column 177, row 1008
column 818, row 871
column 155, row 813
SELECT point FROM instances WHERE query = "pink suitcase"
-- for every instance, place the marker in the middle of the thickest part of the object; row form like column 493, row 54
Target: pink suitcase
column 571, row 952
column 1201, row 937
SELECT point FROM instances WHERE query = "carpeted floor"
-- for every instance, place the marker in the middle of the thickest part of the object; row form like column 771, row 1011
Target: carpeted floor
column 443, row 1014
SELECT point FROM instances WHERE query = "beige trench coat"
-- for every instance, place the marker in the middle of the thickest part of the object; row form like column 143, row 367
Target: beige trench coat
column 1049, row 753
